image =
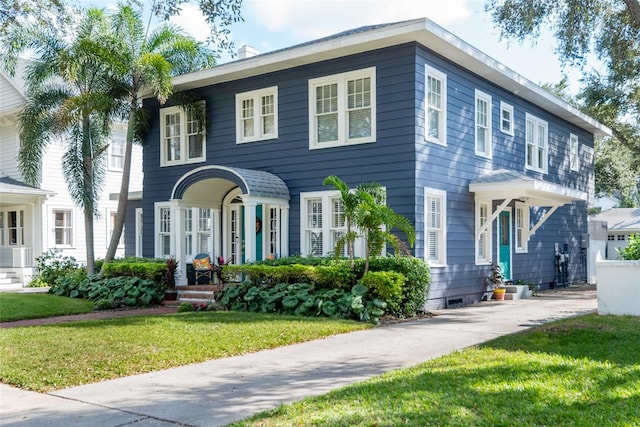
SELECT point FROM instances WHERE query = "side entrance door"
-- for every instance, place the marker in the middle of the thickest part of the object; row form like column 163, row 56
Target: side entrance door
column 504, row 249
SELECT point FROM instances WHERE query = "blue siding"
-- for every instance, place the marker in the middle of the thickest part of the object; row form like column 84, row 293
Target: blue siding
column 400, row 159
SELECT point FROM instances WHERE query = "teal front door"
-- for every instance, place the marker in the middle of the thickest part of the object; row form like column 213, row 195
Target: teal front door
column 505, row 244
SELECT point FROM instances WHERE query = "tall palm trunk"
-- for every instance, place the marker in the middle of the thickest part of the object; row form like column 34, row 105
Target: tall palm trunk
column 88, row 190
column 123, row 197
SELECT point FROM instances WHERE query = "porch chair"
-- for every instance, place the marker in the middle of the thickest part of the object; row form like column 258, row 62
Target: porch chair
column 203, row 268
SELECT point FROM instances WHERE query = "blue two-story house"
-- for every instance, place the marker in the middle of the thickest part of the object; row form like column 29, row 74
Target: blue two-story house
column 485, row 164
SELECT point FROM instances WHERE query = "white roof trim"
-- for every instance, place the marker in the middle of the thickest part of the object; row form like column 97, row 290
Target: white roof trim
column 423, row 31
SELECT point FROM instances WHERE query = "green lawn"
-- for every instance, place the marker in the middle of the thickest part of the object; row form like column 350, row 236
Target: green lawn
column 34, row 306
column 583, row 371
column 45, row 358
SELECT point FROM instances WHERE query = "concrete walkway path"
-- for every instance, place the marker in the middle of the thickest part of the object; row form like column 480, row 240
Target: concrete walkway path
column 221, row 391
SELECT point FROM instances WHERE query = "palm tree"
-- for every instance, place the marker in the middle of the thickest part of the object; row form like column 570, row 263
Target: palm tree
column 349, row 201
column 375, row 219
column 146, row 59
column 66, row 98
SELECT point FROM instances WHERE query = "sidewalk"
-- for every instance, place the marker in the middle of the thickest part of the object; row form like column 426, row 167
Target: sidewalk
column 218, row 392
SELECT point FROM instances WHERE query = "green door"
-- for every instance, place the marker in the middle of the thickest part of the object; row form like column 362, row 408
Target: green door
column 505, row 244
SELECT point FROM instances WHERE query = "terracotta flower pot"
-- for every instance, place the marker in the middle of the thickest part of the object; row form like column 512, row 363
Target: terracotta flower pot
column 498, row 294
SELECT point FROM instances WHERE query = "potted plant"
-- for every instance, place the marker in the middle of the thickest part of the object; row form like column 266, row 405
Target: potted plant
column 170, row 292
column 496, row 279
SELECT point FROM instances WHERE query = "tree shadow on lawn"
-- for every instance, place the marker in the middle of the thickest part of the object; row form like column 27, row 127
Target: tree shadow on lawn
column 531, row 390
column 614, row 339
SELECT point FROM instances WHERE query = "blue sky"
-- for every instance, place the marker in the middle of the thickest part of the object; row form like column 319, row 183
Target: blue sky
column 274, row 24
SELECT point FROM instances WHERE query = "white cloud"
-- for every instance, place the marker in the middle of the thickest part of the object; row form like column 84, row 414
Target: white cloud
column 311, row 19
column 192, row 22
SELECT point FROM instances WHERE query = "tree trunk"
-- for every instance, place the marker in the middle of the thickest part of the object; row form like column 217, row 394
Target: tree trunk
column 634, row 9
column 123, row 198
column 89, row 193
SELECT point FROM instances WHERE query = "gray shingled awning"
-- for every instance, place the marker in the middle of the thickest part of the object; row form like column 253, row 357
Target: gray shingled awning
column 505, row 184
column 14, row 191
column 255, row 183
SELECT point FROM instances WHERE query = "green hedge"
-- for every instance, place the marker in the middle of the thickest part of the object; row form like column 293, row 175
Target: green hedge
column 387, row 286
column 321, row 276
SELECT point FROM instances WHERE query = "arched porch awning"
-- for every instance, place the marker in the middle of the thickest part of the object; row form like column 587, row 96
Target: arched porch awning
column 254, row 183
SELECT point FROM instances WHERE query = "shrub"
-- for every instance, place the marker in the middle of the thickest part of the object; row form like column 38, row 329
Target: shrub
column 417, row 279
column 387, row 286
column 632, row 251
column 185, row 307
column 129, row 291
column 52, row 265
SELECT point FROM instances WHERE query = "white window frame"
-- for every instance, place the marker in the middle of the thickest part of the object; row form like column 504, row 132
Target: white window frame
column 440, row 260
column 116, row 151
column 574, row 152
column 71, row 243
column 139, row 232
column 183, row 137
column 484, row 125
column 341, row 80
column 18, row 230
column 328, row 230
column 163, row 228
column 538, row 144
column 506, row 108
column 111, row 217
column 521, row 219
column 484, row 243
column 436, row 75
column 258, row 115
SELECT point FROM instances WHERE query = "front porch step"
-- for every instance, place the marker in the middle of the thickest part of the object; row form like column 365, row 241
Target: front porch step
column 197, row 294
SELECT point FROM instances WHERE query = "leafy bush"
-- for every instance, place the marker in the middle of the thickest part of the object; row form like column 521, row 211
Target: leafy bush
column 52, row 265
column 337, row 275
column 302, row 299
column 185, row 307
column 128, row 291
column 387, row 286
column 417, row 279
column 632, row 251
column 144, row 268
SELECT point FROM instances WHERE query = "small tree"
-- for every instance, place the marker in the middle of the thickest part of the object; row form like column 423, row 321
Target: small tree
column 375, row 219
column 349, row 201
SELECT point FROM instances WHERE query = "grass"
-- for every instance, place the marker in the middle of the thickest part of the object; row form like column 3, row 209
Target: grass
column 46, row 358
column 35, row 306
column 582, row 371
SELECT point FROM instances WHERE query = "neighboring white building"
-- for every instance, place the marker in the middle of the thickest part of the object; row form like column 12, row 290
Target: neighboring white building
column 34, row 220
column 621, row 223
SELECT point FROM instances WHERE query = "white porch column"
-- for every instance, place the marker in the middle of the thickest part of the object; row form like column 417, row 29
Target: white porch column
column 177, row 240
column 249, row 230
column 284, row 231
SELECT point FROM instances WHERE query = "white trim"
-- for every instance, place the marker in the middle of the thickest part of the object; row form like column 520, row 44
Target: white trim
column 74, row 226
column 481, row 229
column 442, row 119
column 535, row 162
column 524, row 227
column 110, row 152
column 574, row 152
column 508, row 108
column 441, row 260
column 488, row 149
column 341, row 111
column 258, row 129
column 111, row 213
column 158, row 244
column 139, row 232
column 183, row 137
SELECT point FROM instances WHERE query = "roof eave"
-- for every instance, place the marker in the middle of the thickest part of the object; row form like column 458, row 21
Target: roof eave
column 420, row 30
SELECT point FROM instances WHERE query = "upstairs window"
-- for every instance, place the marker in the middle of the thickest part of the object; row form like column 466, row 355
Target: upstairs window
column 342, row 109
column 62, row 227
column 436, row 106
column 574, row 150
column 483, row 124
column 537, row 137
column 182, row 138
column 116, row 154
column 506, row 118
column 257, row 115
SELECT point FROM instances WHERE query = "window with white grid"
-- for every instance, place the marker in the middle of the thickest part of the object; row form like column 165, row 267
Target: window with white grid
column 574, row 152
column 522, row 227
column 257, row 115
column 483, row 124
column 204, row 230
column 436, row 106
column 435, row 227
column 537, row 137
column 342, row 109
column 163, row 224
column 506, row 118
column 182, row 138
column 116, row 154
column 188, row 232
column 483, row 245
column 62, row 227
